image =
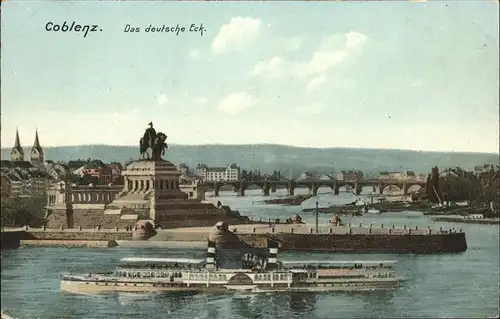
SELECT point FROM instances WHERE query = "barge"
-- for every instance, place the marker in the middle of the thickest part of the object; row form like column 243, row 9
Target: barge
column 255, row 275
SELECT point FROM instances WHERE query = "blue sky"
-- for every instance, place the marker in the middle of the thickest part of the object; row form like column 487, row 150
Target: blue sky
column 404, row 75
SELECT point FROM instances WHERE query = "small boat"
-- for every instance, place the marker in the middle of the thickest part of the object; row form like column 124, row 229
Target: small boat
column 373, row 211
column 255, row 275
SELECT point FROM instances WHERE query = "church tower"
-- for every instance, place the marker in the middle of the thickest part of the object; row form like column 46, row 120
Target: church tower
column 17, row 153
column 36, row 155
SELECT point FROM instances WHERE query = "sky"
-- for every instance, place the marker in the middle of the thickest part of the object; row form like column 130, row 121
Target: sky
column 398, row 75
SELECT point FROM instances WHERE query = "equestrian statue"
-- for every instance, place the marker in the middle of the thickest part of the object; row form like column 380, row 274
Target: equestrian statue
column 153, row 142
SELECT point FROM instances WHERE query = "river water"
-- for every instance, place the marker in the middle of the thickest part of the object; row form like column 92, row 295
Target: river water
column 444, row 285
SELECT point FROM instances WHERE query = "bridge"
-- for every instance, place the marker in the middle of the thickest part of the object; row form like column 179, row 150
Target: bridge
column 313, row 185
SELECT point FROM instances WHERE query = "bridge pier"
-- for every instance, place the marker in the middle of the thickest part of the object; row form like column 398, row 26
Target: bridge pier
column 216, row 192
column 357, row 188
column 374, row 189
column 381, row 189
column 266, row 191
column 241, row 191
column 273, row 188
column 336, row 191
column 291, row 188
column 405, row 189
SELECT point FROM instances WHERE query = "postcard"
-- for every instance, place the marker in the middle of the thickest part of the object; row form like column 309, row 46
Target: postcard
column 267, row 159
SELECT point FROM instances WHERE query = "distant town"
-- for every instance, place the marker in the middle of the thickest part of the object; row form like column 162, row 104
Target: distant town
column 31, row 177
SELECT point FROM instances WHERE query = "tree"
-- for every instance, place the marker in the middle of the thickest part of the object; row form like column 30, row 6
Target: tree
column 17, row 212
column 244, row 174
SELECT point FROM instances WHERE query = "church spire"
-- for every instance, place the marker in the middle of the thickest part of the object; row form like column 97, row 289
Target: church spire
column 17, row 143
column 36, row 157
column 17, row 153
column 37, row 142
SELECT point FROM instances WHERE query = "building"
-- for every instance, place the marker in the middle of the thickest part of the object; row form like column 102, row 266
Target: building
column 55, row 170
column 422, row 177
column 305, row 176
column 184, row 169
column 215, row 174
column 349, row 176
column 116, row 171
column 6, row 187
column 80, row 171
column 36, row 154
column 96, row 168
column 193, row 189
column 392, row 176
column 479, row 169
column 23, row 179
column 411, row 176
column 17, row 153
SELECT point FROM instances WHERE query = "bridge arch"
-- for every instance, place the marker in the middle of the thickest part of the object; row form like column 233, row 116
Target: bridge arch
column 368, row 189
column 302, row 185
column 324, row 189
column 413, row 188
column 391, row 188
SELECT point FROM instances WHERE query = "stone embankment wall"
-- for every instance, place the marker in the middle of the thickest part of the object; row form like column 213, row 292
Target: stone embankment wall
column 87, row 219
column 11, row 238
column 351, row 239
column 436, row 243
column 76, row 234
column 199, row 217
column 178, row 215
column 69, row 243
column 355, row 239
column 65, row 237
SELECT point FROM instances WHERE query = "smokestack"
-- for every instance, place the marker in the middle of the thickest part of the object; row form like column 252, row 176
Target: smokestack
column 272, row 245
column 210, row 261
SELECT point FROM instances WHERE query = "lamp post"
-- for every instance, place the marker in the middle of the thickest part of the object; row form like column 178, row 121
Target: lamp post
column 317, row 214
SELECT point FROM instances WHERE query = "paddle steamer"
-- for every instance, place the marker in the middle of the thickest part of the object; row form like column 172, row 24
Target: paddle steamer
column 255, row 274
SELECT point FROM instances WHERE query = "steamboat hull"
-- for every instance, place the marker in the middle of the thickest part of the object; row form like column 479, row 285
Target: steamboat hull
column 94, row 287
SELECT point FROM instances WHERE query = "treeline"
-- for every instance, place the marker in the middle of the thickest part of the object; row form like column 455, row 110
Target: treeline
column 18, row 212
column 256, row 175
column 461, row 186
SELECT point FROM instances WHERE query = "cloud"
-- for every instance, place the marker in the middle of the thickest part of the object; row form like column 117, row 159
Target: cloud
column 194, row 54
column 310, row 109
column 273, row 68
column 332, row 51
column 235, row 103
column 316, row 83
column 162, row 99
column 201, row 100
column 236, row 34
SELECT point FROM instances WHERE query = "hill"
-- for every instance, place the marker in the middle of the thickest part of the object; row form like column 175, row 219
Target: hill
column 288, row 159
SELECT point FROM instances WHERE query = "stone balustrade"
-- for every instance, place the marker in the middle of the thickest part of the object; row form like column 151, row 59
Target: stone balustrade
column 322, row 229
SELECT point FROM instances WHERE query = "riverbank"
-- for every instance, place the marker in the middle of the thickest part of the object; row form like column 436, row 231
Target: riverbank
column 385, row 206
column 456, row 219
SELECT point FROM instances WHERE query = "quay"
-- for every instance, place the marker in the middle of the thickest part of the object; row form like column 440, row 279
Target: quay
column 292, row 237
column 348, row 239
column 484, row 221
